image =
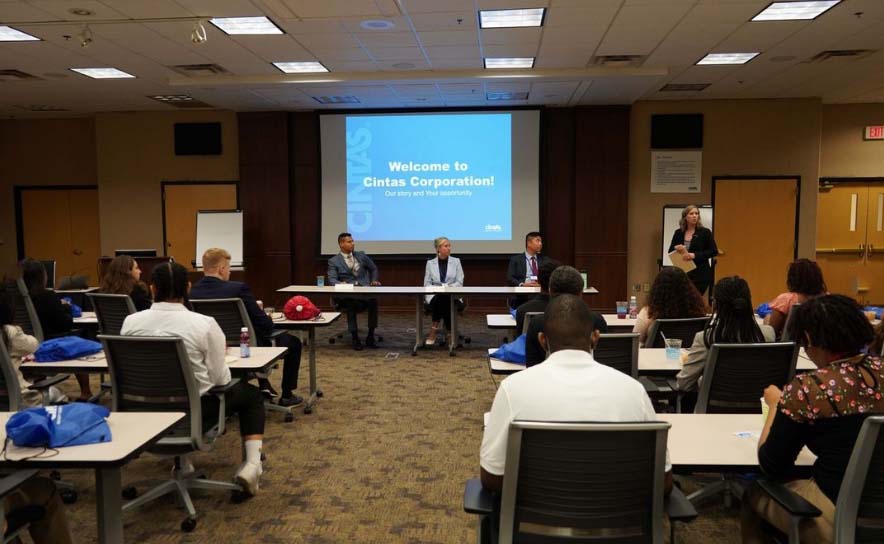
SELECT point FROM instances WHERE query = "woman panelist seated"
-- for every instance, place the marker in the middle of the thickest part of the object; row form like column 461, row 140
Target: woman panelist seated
column 441, row 270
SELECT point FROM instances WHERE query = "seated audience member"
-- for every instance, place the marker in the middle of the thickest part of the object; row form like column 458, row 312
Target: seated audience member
column 565, row 280
column 355, row 267
column 18, row 344
column 672, row 296
column 822, row 410
column 569, row 386
column 804, row 281
column 733, row 322
column 877, row 345
column 216, row 283
column 442, row 270
column 123, row 277
column 53, row 312
column 539, row 302
column 38, row 502
column 524, row 268
column 205, row 345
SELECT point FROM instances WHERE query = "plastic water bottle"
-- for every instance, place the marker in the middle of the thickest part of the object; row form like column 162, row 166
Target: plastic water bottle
column 633, row 307
column 245, row 349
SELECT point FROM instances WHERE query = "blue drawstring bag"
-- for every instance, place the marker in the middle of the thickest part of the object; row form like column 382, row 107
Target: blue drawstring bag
column 76, row 311
column 513, row 312
column 877, row 309
column 72, row 424
column 763, row 310
column 65, row 348
column 514, row 352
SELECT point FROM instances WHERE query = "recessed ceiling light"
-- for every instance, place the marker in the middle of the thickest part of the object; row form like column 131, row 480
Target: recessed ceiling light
column 404, row 66
column 336, row 99
column 172, row 97
column 377, row 24
column 103, row 73
column 506, row 95
column 246, row 25
column 9, row 34
column 82, row 12
column 727, row 58
column 511, row 18
column 509, row 62
column 301, row 67
column 795, row 11
column 670, row 87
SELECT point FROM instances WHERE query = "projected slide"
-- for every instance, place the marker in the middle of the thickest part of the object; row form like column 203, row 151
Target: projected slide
column 411, row 177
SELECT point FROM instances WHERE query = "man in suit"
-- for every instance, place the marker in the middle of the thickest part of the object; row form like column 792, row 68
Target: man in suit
column 539, row 302
column 524, row 268
column 355, row 267
column 216, row 284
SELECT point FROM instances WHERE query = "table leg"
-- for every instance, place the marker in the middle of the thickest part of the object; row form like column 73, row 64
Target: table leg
column 452, row 335
column 418, row 324
column 315, row 392
column 109, row 505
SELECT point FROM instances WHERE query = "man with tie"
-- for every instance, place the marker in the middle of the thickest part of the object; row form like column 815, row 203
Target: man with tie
column 357, row 268
column 525, row 267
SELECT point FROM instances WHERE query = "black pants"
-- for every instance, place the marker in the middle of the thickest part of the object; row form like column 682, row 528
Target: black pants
column 353, row 306
column 291, row 365
column 701, row 279
column 244, row 400
column 440, row 307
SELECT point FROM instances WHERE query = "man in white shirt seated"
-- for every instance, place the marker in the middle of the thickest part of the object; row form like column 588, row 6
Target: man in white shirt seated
column 205, row 346
column 568, row 386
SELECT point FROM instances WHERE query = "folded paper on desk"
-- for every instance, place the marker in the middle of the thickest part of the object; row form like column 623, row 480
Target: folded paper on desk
column 678, row 260
column 343, row 287
column 229, row 359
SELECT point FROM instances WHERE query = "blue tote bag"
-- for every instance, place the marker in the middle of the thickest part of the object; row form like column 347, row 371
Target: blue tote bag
column 72, row 424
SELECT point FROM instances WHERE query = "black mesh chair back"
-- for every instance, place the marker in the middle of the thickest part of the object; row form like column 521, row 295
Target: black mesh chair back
column 10, row 389
column 859, row 514
column 737, row 374
column 25, row 315
column 50, row 273
column 684, row 329
column 583, row 482
column 527, row 322
column 786, row 336
column 230, row 313
column 111, row 311
column 618, row 351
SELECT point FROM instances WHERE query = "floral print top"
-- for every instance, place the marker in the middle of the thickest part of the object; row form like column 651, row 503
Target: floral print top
column 840, row 389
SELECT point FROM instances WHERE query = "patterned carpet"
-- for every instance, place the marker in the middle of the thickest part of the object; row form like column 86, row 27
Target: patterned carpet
column 383, row 458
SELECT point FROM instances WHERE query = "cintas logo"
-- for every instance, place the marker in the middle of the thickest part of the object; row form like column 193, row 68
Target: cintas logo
column 493, row 228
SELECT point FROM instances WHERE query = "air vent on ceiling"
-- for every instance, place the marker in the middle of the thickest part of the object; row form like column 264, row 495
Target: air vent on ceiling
column 505, row 95
column 683, row 87
column 16, row 75
column 618, row 61
column 179, row 101
column 837, row 54
column 336, row 99
column 41, row 107
column 199, row 69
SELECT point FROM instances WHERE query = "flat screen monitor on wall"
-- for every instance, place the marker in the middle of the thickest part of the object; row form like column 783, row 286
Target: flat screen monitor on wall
column 396, row 181
column 197, row 138
column 677, row 131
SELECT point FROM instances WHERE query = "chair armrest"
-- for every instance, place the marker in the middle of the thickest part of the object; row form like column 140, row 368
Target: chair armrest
column 277, row 333
column 477, row 499
column 49, row 382
column 11, row 482
column 222, row 389
column 678, row 507
column 650, row 387
column 793, row 503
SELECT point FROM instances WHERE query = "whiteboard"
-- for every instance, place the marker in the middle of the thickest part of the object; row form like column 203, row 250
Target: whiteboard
column 219, row 228
column 671, row 217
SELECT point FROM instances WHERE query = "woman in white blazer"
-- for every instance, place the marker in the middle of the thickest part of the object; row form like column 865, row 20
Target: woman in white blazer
column 442, row 270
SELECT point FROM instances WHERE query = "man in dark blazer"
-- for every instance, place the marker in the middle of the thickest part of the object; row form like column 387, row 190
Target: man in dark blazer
column 355, row 267
column 525, row 267
column 539, row 302
column 216, row 284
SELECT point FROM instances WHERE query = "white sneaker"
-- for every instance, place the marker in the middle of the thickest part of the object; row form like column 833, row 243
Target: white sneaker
column 247, row 476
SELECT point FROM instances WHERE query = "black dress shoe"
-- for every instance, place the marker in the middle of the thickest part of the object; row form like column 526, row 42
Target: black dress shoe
column 288, row 402
column 357, row 344
column 370, row 342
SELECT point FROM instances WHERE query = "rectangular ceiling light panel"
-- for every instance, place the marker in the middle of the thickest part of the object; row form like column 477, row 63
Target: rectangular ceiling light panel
column 795, row 11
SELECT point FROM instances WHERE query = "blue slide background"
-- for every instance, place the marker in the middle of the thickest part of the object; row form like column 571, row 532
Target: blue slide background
column 484, row 141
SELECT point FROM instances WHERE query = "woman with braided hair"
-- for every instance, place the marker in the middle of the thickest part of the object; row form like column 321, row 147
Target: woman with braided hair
column 733, row 322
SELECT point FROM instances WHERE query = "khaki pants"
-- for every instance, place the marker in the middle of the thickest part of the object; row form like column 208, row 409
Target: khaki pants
column 758, row 507
column 53, row 527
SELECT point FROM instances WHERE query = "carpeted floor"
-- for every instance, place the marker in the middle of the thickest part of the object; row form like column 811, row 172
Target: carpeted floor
column 383, row 458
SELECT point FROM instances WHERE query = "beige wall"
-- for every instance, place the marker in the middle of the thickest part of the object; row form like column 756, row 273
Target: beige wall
column 40, row 152
column 135, row 154
column 741, row 137
column 844, row 152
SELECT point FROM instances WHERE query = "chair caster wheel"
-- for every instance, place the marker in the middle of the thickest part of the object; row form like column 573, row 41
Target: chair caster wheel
column 319, row 393
column 188, row 525
column 68, row 496
column 289, row 418
column 237, row 497
column 308, row 409
column 331, row 340
column 129, row 492
column 467, row 340
column 263, row 456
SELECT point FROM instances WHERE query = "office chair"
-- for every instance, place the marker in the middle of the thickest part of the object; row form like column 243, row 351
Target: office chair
column 684, row 329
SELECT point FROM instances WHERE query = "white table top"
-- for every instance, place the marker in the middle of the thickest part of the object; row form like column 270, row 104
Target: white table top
column 698, row 440
column 613, row 321
column 87, row 318
column 130, row 432
column 500, row 321
column 74, row 291
column 416, row 290
column 325, row 319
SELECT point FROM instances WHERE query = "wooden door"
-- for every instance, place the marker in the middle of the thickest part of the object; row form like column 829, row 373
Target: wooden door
column 85, row 235
column 181, row 202
column 872, row 277
column 842, row 213
column 755, row 230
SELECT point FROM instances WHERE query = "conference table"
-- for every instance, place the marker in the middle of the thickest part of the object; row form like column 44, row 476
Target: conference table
column 419, row 292
column 131, row 434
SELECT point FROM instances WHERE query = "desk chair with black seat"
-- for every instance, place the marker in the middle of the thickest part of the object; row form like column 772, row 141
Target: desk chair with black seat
column 50, row 273
column 111, row 311
column 786, row 335
column 684, row 329
column 231, row 315
column 733, row 382
column 26, row 315
column 18, row 520
column 573, row 483
column 153, row 374
column 859, row 511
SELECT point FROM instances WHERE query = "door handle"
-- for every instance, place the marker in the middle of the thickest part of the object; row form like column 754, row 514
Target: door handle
column 78, row 252
column 842, row 250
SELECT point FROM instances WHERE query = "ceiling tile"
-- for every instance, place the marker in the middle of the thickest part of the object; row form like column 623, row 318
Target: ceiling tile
column 396, row 53
column 455, row 37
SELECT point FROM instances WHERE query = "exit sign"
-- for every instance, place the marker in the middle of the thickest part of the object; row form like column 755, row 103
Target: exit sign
column 874, row 133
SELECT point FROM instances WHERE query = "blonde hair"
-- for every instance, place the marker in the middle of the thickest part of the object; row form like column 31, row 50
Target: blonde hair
column 683, row 222
column 438, row 242
column 213, row 258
